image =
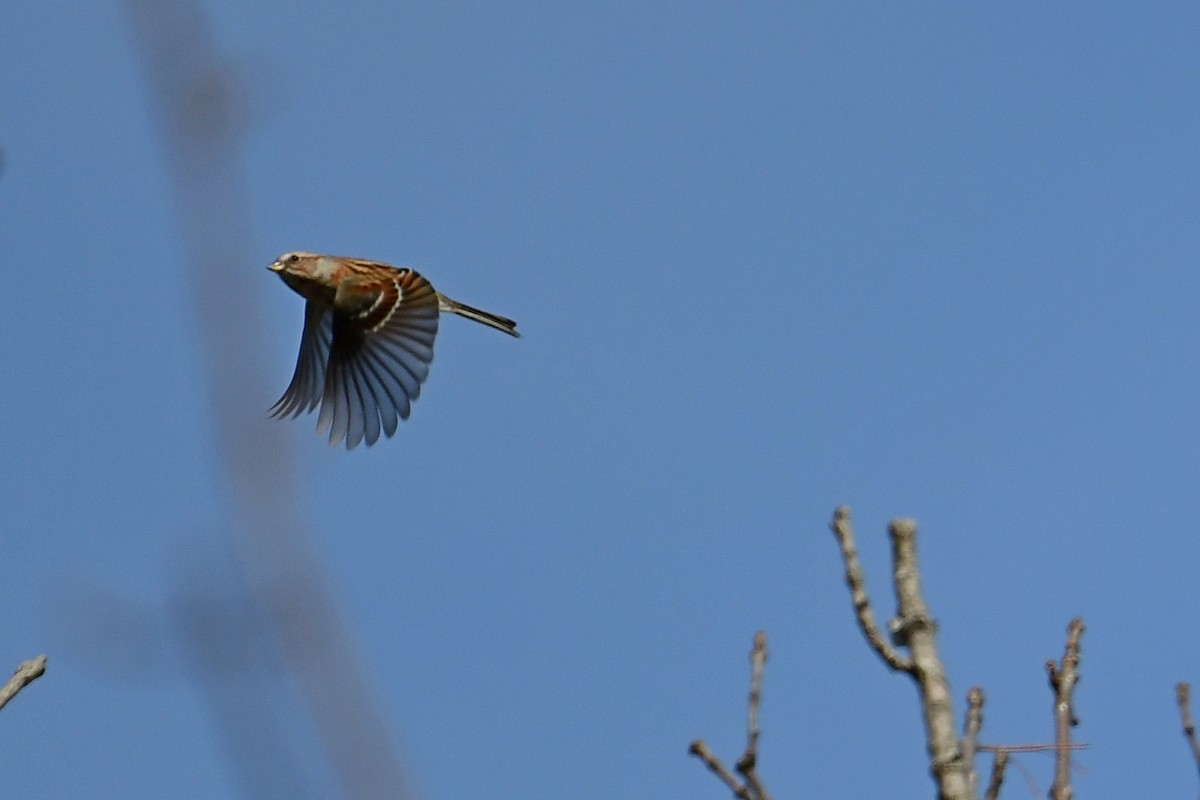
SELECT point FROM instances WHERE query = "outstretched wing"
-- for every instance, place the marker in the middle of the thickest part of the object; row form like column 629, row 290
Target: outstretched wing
column 308, row 381
column 379, row 355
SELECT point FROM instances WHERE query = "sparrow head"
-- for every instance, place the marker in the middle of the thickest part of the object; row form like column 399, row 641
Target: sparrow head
column 308, row 274
column 296, row 262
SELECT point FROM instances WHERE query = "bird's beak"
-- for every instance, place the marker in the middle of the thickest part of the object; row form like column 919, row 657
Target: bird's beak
column 275, row 267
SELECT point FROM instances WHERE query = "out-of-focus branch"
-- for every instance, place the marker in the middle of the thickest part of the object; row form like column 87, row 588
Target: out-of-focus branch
column 1183, row 694
column 856, row 580
column 194, row 96
column 997, row 777
column 1064, row 677
column 747, row 765
column 970, row 740
column 915, row 629
column 28, row 672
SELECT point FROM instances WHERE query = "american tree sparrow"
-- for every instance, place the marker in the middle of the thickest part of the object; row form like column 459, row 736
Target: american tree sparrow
column 367, row 342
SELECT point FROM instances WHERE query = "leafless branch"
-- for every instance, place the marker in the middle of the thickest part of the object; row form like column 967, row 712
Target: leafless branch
column 915, row 629
column 856, row 580
column 997, row 776
column 194, row 95
column 28, row 672
column 1183, row 693
column 1063, row 679
column 970, row 740
column 914, row 626
column 699, row 749
column 747, row 765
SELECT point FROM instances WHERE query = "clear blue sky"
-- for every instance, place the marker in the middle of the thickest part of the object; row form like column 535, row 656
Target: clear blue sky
column 936, row 260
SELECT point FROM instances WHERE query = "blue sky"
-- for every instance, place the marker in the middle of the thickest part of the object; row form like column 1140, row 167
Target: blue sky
column 936, row 261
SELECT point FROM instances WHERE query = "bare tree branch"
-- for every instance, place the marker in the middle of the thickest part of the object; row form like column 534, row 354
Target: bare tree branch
column 747, row 765
column 1063, row 679
column 915, row 627
column 1183, row 694
column 970, row 740
column 194, row 96
column 856, row 580
column 997, row 776
column 699, row 749
column 28, row 672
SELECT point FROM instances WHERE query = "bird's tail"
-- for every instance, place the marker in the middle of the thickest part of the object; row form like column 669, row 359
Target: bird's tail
column 486, row 317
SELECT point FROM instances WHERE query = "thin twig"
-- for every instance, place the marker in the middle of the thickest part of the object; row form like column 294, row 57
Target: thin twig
column 1029, row 748
column 28, row 672
column 997, row 777
column 1063, row 679
column 1008, row 750
column 748, row 764
column 856, row 580
column 1183, row 693
column 700, row 750
column 970, row 740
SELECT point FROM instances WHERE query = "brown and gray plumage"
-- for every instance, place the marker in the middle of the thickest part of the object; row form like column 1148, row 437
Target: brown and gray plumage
column 367, row 342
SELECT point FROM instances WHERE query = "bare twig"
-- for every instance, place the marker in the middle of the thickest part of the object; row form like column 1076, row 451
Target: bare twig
column 1183, row 693
column 699, row 749
column 747, row 765
column 856, row 580
column 28, row 672
column 997, row 777
column 970, row 740
column 1063, row 679
column 1007, row 750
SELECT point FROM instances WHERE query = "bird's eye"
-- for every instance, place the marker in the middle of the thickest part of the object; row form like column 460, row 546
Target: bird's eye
column 293, row 258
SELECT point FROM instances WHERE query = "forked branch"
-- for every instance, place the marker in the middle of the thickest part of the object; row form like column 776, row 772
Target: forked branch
column 747, row 765
column 914, row 629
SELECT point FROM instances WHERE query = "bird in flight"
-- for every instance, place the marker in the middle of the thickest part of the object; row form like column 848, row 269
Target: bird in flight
column 367, row 342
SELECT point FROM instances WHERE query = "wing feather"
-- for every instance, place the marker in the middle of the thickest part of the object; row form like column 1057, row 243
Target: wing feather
column 304, row 392
column 374, row 373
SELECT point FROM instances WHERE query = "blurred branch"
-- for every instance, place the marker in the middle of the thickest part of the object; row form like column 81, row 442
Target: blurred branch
column 1183, row 694
column 1064, row 677
column 194, row 95
column 28, row 672
column 747, row 765
column 915, row 629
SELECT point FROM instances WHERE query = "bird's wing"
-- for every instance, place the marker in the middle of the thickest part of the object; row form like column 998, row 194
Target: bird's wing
column 304, row 392
column 379, row 357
